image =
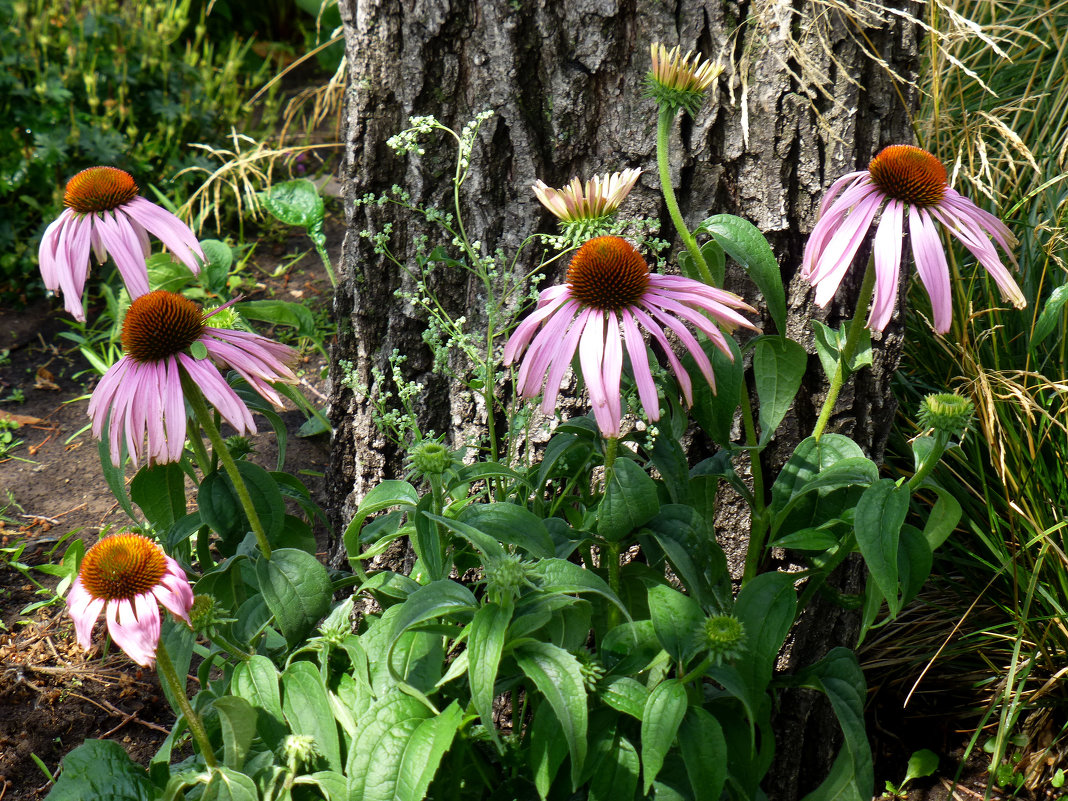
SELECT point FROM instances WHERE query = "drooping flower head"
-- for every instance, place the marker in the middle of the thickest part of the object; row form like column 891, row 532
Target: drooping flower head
column 901, row 181
column 104, row 213
column 678, row 81
column 609, row 297
column 600, row 197
column 125, row 576
column 142, row 393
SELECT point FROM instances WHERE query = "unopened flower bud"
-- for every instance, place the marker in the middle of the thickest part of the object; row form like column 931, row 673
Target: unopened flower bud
column 724, row 637
column 947, row 413
column 506, row 576
column 430, row 458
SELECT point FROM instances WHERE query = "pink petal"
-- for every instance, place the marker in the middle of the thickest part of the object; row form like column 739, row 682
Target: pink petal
column 612, row 370
column 658, row 334
column 639, row 363
column 134, row 626
column 887, row 252
column 172, row 232
column 125, row 248
column 561, row 360
column 591, row 358
column 931, row 265
column 84, row 609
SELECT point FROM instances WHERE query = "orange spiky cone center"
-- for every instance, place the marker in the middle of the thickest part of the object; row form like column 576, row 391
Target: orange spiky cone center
column 909, row 174
column 160, row 324
column 122, row 566
column 99, row 189
column 608, row 273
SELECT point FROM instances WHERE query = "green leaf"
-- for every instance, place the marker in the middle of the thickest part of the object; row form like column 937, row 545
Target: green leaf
column 615, row 777
column 778, row 366
column 704, row 752
column 629, row 502
column 220, row 507
column 677, row 620
column 744, row 243
column 624, row 694
column 829, row 343
column 714, row 411
column 846, row 472
column 485, row 643
column 664, row 711
column 557, row 676
column 160, row 492
column 511, row 524
column 942, row 519
column 914, row 560
column 297, row 590
column 547, row 748
column 307, row 709
column 229, row 785
column 712, row 253
column 427, row 542
column 237, row 719
column 423, row 752
column 100, row 770
column 486, row 545
column 281, row 312
column 376, row 753
column 115, row 477
column 921, row 764
column 697, row 559
column 385, row 495
column 880, row 513
column 1050, row 315
column 839, row 676
column 437, row 599
column 256, row 680
column 295, row 202
column 766, row 607
column 332, row 785
column 630, row 647
column 562, row 576
column 808, row 460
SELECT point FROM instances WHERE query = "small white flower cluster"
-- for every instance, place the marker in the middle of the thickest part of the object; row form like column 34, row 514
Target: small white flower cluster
column 467, row 137
column 407, row 141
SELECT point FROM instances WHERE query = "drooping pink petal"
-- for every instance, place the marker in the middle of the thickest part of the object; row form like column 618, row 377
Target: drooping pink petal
column 544, row 350
column 681, row 375
column 134, row 626
column 125, row 248
column 218, row 393
column 561, row 360
column 639, row 362
column 523, row 333
column 84, row 609
column 886, row 250
column 172, row 232
column 591, row 357
column 976, row 241
column 931, row 265
column 612, row 368
column 846, row 241
column 174, row 591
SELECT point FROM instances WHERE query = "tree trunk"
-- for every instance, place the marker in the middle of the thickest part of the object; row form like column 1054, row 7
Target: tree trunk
column 801, row 102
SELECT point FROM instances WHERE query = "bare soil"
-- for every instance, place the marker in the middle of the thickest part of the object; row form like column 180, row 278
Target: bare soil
column 54, row 695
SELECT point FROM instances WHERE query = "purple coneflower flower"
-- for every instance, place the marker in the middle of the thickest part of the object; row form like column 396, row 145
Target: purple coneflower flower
column 142, row 392
column 105, row 213
column 600, row 197
column 124, row 576
column 609, row 288
column 903, row 179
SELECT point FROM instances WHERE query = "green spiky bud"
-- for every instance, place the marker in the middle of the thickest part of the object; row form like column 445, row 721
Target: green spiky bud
column 430, row 458
column 506, row 576
column 591, row 669
column 298, row 749
column 205, row 614
column 947, row 413
column 724, row 637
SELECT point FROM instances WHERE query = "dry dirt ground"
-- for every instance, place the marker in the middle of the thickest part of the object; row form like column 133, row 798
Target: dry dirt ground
column 53, row 695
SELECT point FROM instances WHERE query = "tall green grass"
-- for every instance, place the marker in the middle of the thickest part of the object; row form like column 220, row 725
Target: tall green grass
column 996, row 113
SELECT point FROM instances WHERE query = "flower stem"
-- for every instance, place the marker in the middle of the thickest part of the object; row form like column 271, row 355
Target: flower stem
column 941, row 440
column 758, row 523
column 663, row 134
column 203, row 415
column 845, row 356
column 167, row 673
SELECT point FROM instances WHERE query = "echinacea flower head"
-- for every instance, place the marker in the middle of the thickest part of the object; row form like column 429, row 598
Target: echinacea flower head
column 679, row 81
column 142, row 396
column 600, row 197
column 610, row 297
column 104, row 213
column 126, row 576
column 903, row 181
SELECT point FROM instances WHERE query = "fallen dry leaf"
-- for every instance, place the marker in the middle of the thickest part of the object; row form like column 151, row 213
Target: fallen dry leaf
column 45, row 379
column 21, row 419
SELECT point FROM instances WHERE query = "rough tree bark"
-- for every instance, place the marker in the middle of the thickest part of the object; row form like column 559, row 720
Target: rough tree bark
column 801, row 102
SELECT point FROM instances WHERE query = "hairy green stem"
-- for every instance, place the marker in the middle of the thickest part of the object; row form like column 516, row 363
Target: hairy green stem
column 663, row 134
column 204, row 418
column 758, row 522
column 941, row 440
column 845, row 356
column 167, row 673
